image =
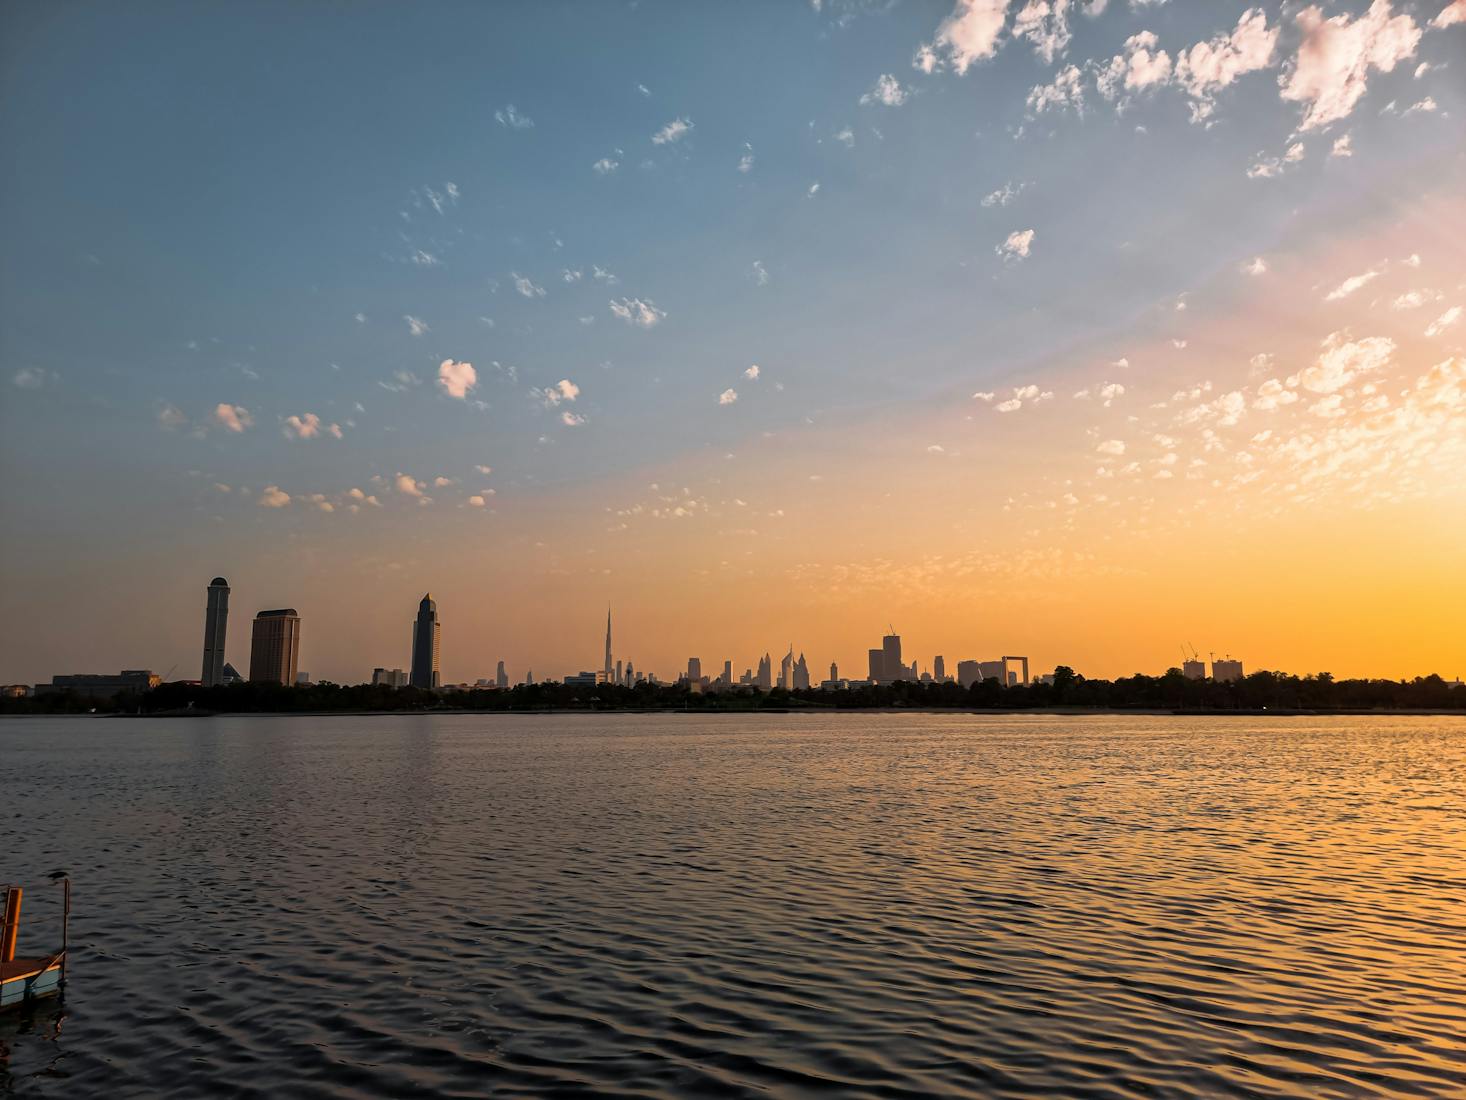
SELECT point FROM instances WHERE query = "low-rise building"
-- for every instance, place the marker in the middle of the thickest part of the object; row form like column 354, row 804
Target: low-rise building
column 102, row 686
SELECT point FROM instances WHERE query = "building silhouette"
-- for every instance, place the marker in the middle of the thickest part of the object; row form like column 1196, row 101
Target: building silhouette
column 1226, row 671
column 425, row 640
column 216, row 628
column 274, row 650
column 939, row 669
column 891, row 667
column 610, row 672
column 764, row 679
column 694, row 669
column 389, row 677
column 501, row 677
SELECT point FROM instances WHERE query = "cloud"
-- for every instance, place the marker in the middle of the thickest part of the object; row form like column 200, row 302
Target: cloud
column 1425, row 106
column 456, row 379
column 1272, row 394
column 1017, row 246
column 1109, row 392
column 1342, row 360
column 33, row 378
column 484, row 471
column 1141, row 66
column 415, row 325
column 984, row 395
column 846, row 137
column 1450, row 15
column 1350, row 285
column 475, row 501
column 745, row 162
column 408, row 485
column 601, row 275
column 273, row 497
column 509, row 116
column 303, row 427
column 571, row 420
column 1412, row 299
column 1067, row 90
column 1343, row 147
column 727, row 397
column 1003, row 195
column 634, row 311
column 1044, row 24
column 605, row 166
column 236, row 418
column 562, row 391
column 425, row 259
column 1210, row 66
column 1331, row 70
column 1444, row 321
column 752, row 373
column 674, row 131
column 171, row 416
column 886, row 91
column 1010, row 405
column 759, row 273
column 1111, row 447
column 970, row 34
column 526, row 286
column 1257, row 267
column 814, row 189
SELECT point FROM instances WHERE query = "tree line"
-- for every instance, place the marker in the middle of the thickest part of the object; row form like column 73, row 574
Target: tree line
column 1260, row 691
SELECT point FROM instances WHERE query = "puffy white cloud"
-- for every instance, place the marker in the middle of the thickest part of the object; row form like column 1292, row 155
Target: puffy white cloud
column 561, row 392
column 571, row 420
column 303, row 427
column 1450, row 15
column 407, row 485
column 1411, row 299
column 1141, row 66
column 1109, row 392
column 984, row 395
column 605, row 166
column 526, row 286
column 1342, row 360
column 236, row 418
column 635, row 311
column 1425, row 106
column 752, row 372
column 456, row 379
column 673, row 132
column 1350, row 285
column 415, row 325
column 970, row 34
column 1343, row 147
column 1045, row 23
column 1067, row 90
column 1210, row 66
column 1331, row 70
column 1444, row 321
column 1257, row 267
column 1010, row 405
column 485, row 471
column 475, row 501
column 1272, row 394
column 510, row 117
column 273, row 497
column 728, row 397
column 886, row 91
column 1017, row 245
column 1111, row 447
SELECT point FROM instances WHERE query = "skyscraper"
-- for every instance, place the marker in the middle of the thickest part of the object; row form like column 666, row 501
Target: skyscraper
column 501, row 678
column 877, row 665
column 891, row 664
column 939, row 669
column 765, row 677
column 274, row 650
column 425, row 633
column 786, row 670
column 801, row 674
column 609, row 670
column 216, row 627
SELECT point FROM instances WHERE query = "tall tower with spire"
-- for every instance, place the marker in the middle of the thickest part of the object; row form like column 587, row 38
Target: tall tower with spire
column 610, row 668
column 425, row 632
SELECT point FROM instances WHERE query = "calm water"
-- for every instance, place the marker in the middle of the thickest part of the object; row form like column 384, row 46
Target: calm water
column 666, row 906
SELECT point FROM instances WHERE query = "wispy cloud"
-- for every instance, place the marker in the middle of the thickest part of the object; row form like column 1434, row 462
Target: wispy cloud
column 1350, row 285
column 511, row 118
column 635, row 311
column 673, row 131
column 34, row 378
column 605, row 166
column 415, row 325
column 526, row 286
column 1444, row 321
column 759, row 273
column 886, row 91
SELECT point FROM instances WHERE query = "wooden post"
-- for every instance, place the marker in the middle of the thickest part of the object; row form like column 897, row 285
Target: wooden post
column 11, row 928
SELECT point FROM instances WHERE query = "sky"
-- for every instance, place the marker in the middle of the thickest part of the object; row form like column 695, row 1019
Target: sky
column 1076, row 329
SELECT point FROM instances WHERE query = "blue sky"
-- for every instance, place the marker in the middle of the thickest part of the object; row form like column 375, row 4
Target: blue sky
column 304, row 210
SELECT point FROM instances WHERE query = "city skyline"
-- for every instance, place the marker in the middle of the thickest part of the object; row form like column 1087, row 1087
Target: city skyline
column 1085, row 334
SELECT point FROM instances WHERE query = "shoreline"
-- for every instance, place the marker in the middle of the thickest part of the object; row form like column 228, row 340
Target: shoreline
column 1052, row 712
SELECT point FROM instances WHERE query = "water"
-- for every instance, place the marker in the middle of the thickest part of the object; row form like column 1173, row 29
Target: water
column 875, row 905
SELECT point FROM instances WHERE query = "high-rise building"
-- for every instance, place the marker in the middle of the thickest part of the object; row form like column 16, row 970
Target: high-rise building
column 694, row 669
column 834, row 671
column 765, row 677
column 501, row 678
column 968, row 673
column 1193, row 670
column 939, row 669
column 620, row 675
column 891, row 658
column 993, row 670
column 801, row 674
column 1226, row 670
column 216, row 626
column 786, row 670
column 608, row 669
column 389, row 677
column 425, row 640
column 727, row 674
column 877, row 665
column 274, row 650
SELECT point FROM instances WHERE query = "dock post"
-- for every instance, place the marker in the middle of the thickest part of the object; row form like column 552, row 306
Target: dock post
column 11, row 928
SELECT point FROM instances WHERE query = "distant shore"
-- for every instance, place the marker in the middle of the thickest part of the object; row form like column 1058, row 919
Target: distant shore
column 1060, row 712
